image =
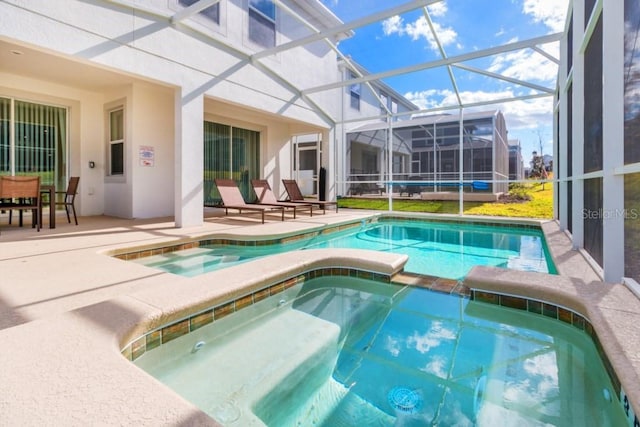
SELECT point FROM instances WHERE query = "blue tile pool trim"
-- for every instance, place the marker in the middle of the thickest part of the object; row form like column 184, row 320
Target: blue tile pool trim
column 166, row 333
column 130, row 255
column 466, row 221
column 570, row 317
column 142, row 253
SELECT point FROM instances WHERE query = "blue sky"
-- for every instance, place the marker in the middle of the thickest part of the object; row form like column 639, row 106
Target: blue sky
column 464, row 26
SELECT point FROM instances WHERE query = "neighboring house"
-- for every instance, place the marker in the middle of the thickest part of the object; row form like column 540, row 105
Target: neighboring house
column 427, row 148
column 597, row 149
column 366, row 156
column 148, row 101
column 516, row 164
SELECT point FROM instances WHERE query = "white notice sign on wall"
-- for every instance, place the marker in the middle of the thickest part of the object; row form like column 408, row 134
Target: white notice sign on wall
column 146, row 155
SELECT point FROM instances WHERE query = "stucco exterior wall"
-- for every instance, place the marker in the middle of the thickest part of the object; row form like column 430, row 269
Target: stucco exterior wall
column 153, row 127
column 161, row 68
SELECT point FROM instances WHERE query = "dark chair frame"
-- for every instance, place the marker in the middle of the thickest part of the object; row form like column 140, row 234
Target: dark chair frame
column 69, row 199
column 295, row 196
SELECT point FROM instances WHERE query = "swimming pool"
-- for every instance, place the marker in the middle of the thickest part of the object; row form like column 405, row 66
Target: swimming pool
column 346, row 351
column 442, row 249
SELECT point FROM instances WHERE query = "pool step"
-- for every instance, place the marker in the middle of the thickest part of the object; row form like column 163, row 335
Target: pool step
column 228, row 377
column 331, row 404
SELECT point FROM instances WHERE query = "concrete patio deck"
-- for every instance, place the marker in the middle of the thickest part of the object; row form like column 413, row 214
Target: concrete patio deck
column 66, row 310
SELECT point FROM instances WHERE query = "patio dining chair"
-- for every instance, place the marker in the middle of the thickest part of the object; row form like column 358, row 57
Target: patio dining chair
column 295, row 196
column 21, row 193
column 232, row 199
column 266, row 197
column 69, row 198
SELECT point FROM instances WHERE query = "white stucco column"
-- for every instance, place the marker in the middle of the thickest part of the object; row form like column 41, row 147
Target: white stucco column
column 189, row 154
column 613, row 140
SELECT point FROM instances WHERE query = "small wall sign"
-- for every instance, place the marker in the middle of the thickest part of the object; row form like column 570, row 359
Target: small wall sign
column 146, row 155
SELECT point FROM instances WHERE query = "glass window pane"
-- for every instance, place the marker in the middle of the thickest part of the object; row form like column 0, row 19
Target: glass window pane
column 632, row 81
column 570, row 45
column 355, row 101
column 266, row 7
column 217, row 159
column 569, row 206
column 117, row 158
column 246, row 160
column 588, row 10
column 632, row 226
column 593, row 217
column 570, row 131
column 5, row 122
column 261, row 30
column 117, row 125
column 211, row 12
column 593, row 108
column 240, row 161
column 40, row 141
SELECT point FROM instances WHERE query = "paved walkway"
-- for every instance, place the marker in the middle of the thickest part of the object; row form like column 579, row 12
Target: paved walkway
column 57, row 270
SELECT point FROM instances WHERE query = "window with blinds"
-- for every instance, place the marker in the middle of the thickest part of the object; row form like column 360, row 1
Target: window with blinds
column 33, row 140
column 116, row 142
column 230, row 152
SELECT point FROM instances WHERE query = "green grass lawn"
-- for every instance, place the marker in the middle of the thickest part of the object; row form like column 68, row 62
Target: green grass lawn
column 540, row 205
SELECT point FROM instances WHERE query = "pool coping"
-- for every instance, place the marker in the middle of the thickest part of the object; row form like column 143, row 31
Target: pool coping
column 159, row 248
column 68, row 366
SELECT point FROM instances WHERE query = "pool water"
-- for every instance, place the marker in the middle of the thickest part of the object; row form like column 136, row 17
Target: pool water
column 340, row 351
column 434, row 248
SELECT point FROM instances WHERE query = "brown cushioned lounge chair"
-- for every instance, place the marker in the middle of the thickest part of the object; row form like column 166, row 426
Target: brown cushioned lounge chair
column 295, row 196
column 266, row 197
column 232, row 199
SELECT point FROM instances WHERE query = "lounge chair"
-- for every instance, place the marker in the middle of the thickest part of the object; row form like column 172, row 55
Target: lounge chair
column 266, row 197
column 295, row 196
column 232, row 199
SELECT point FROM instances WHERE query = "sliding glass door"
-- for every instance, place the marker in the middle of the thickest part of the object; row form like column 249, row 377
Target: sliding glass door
column 233, row 153
column 33, row 140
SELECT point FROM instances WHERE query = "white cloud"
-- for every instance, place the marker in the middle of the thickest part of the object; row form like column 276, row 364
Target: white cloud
column 392, row 25
column 436, row 334
column 431, row 98
column 551, row 13
column 392, row 346
column 419, row 29
column 524, row 114
column 437, row 9
column 437, row 366
column 526, row 65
